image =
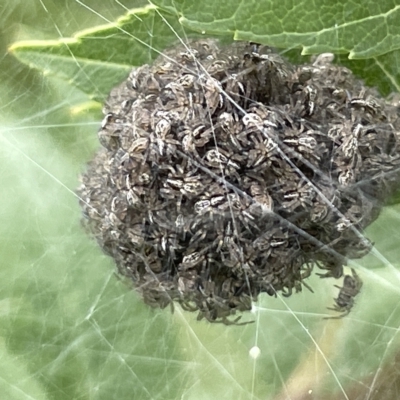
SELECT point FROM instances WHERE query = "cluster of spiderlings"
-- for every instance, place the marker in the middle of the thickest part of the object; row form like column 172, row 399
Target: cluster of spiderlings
column 226, row 172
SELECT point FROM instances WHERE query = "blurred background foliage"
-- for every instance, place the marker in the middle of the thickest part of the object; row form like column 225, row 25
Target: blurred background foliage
column 70, row 329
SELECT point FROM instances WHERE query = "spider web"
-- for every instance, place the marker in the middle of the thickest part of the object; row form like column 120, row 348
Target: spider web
column 71, row 329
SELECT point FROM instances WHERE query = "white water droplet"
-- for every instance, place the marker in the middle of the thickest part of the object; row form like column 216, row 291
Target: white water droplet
column 254, row 352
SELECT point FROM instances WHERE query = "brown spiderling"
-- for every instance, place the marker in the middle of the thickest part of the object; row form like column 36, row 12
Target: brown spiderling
column 226, row 172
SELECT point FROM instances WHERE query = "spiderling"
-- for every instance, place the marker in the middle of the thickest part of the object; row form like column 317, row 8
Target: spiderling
column 226, row 172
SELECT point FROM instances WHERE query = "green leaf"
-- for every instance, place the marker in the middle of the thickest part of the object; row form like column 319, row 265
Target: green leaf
column 381, row 72
column 96, row 59
column 16, row 381
column 363, row 29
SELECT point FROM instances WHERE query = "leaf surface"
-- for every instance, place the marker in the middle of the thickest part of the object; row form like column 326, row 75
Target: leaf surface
column 363, row 29
column 96, row 59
